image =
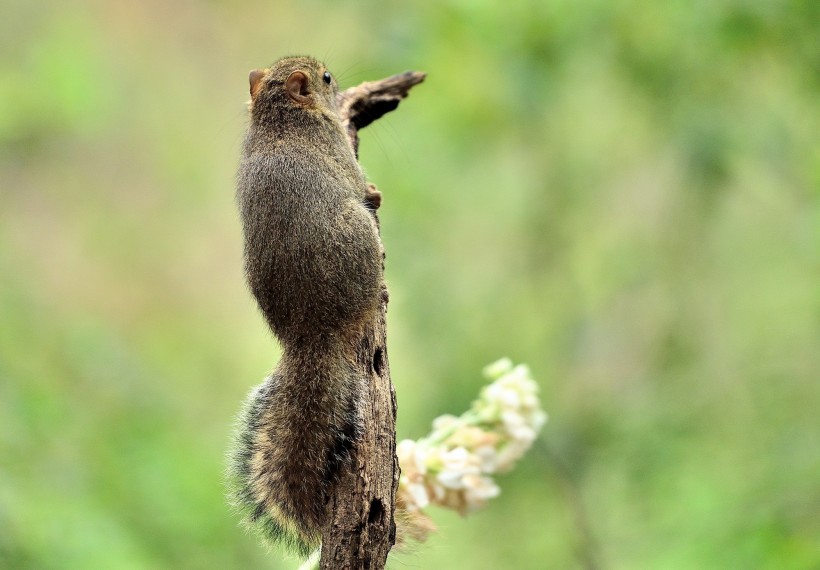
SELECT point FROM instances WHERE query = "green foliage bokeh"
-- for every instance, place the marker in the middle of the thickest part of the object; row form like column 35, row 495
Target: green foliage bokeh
column 623, row 195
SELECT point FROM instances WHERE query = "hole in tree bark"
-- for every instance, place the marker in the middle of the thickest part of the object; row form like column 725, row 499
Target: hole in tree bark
column 376, row 512
column 378, row 361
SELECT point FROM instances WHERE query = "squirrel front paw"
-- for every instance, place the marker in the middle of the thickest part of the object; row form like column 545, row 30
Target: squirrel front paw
column 372, row 197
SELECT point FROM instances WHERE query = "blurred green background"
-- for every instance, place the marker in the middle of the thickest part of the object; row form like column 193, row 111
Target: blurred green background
column 622, row 194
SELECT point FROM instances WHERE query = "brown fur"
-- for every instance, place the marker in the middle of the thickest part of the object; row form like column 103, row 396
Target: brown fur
column 313, row 263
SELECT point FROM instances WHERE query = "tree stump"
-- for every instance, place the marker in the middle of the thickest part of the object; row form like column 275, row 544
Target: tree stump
column 361, row 530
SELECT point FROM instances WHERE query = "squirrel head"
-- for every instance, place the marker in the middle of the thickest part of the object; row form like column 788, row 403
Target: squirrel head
column 293, row 83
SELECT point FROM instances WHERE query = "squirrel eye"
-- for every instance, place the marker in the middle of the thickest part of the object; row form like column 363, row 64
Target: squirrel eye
column 326, row 77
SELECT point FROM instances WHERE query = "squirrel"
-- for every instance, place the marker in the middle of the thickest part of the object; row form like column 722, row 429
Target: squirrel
column 313, row 261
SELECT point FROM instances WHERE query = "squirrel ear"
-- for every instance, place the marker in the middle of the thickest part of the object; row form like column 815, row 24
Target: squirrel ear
column 296, row 86
column 255, row 79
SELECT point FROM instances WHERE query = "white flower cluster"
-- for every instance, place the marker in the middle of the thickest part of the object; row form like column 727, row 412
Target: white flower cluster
column 452, row 467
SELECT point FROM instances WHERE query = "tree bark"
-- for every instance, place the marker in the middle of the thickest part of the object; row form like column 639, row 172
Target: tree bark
column 361, row 530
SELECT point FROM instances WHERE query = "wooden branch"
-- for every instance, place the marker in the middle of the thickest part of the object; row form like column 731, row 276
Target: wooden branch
column 361, row 530
column 361, row 105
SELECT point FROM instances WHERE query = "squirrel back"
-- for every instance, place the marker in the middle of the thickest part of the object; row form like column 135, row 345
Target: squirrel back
column 312, row 256
column 313, row 263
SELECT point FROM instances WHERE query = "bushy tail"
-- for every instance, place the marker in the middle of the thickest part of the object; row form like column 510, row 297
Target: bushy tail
column 293, row 433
